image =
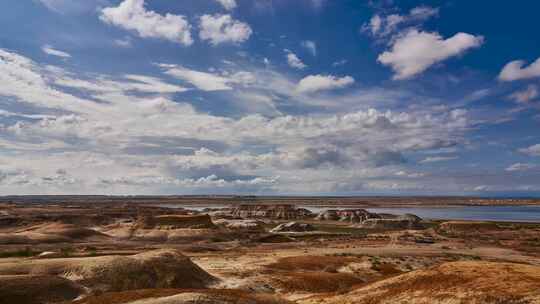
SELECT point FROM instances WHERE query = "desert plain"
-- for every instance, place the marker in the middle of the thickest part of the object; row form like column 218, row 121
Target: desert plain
column 270, row 250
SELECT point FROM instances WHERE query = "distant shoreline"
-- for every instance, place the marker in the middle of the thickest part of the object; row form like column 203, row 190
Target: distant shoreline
column 353, row 201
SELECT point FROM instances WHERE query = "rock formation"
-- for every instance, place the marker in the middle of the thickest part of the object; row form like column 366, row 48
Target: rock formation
column 281, row 212
column 293, row 227
column 347, row 215
column 396, row 223
column 247, row 225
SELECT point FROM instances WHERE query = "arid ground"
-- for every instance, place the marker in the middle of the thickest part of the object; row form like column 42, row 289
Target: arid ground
column 259, row 250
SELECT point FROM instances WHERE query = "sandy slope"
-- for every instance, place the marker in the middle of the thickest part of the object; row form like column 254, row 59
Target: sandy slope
column 455, row 282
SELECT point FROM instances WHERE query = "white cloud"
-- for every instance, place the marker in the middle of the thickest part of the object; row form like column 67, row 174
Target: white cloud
column 318, row 3
column 294, row 61
column 527, row 95
column 209, row 81
column 132, row 82
column 132, row 15
column 311, row 46
column 124, row 42
column 415, row 51
column 339, row 63
column 219, row 29
column 410, row 174
column 383, row 26
column 434, row 159
column 375, row 24
column 102, row 132
column 423, row 12
column 520, row 167
column 481, row 188
column 228, row 4
column 515, row 70
column 532, row 150
column 314, row 83
column 70, row 6
column 49, row 50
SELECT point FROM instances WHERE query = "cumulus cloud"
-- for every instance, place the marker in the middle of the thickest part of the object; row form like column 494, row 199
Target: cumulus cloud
column 49, row 50
column 314, row 83
column 99, row 130
column 219, row 29
column 516, row 70
column 228, row 4
column 533, row 150
column 132, row 15
column 311, row 46
column 520, row 167
column 294, row 61
column 525, row 96
column 415, row 51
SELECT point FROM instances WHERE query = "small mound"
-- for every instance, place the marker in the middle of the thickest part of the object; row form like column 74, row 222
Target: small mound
column 155, row 269
column 174, row 296
column 293, row 227
column 37, row 289
column 202, row 221
column 274, row 239
column 463, row 227
column 71, row 231
column 311, row 263
column 454, row 282
column 318, row 282
column 52, row 233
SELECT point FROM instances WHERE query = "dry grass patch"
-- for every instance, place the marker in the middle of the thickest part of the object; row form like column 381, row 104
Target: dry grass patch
column 318, row 282
column 312, row 263
column 182, row 296
column 36, row 289
column 471, row 282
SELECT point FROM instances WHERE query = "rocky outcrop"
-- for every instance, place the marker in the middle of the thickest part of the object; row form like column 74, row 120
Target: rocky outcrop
column 245, row 225
column 348, row 215
column 293, row 227
column 280, row 212
column 396, row 223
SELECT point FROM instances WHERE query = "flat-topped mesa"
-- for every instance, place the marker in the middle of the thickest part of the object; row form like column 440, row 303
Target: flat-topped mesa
column 281, row 212
column 406, row 221
column 175, row 222
column 347, row 215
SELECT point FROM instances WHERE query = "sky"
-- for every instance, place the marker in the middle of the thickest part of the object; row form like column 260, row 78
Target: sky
column 269, row 97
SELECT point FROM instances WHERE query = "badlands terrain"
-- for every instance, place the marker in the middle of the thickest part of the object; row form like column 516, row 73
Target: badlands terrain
column 175, row 250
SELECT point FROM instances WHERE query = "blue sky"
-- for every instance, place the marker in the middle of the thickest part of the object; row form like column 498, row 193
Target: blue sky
column 313, row 97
